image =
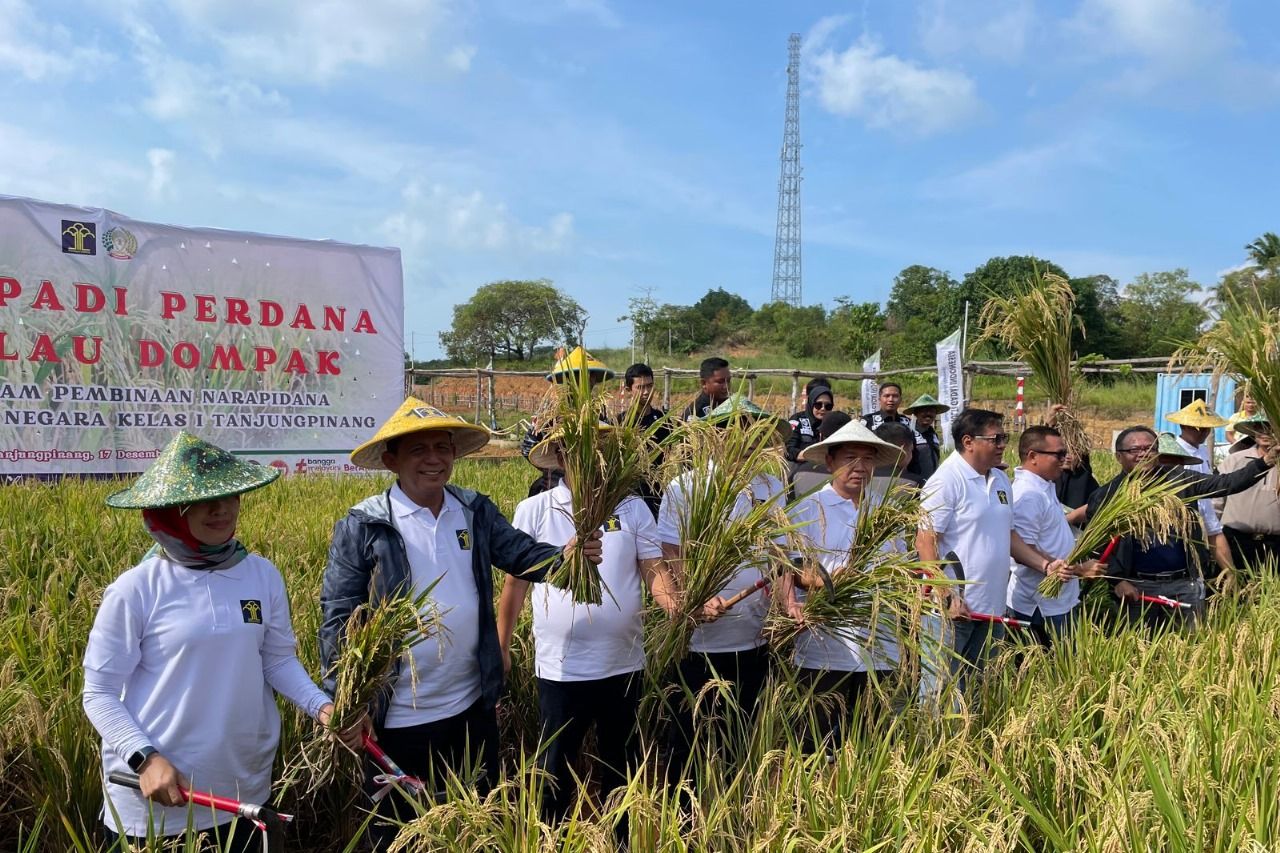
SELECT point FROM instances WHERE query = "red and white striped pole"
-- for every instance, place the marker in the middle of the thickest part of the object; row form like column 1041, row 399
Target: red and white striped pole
column 1019, row 410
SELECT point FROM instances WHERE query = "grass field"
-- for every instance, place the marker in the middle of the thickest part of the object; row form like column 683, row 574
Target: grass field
column 1114, row 742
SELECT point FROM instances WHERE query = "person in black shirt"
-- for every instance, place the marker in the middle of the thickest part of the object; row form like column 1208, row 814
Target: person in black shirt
column 637, row 397
column 928, row 450
column 805, row 424
column 715, row 376
column 890, row 399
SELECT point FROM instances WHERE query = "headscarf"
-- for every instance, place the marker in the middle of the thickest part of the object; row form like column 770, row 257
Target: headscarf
column 169, row 527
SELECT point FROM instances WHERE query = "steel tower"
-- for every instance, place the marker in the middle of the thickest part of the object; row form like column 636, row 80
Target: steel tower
column 786, row 247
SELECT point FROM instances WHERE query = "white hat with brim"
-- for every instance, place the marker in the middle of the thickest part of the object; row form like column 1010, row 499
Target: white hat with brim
column 854, row 433
column 416, row 416
column 543, row 454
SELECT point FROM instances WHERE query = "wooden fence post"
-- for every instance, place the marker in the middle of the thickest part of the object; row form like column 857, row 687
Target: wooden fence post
column 751, row 386
column 795, row 388
column 479, row 385
column 493, row 418
column 666, row 389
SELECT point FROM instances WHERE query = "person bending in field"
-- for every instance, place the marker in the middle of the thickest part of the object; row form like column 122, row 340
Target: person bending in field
column 729, row 645
column 837, row 668
column 1039, row 520
column 589, row 658
column 438, row 716
column 969, row 507
column 1170, row 567
column 186, row 654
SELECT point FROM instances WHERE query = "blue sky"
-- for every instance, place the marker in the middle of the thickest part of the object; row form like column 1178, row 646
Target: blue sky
column 617, row 147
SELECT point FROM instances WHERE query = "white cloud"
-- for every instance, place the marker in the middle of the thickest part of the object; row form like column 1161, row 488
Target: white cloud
column 885, row 90
column 438, row 217
column 161, row 162
column 39, row 50
column 1185, row 48
column 318, row 41
column 49, row 169
column 459, row 59
column 997, row 29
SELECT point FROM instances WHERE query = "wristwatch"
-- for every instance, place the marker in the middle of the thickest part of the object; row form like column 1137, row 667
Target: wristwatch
column 140, row 757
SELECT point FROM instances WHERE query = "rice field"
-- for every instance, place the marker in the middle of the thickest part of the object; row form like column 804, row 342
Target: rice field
column 1115, row 741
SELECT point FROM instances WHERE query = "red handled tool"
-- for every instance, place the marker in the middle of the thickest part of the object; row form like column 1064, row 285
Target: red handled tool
column 267, row 819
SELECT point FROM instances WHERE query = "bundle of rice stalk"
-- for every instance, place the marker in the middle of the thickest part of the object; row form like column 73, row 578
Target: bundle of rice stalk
column 1147, row 506
column 882, row 580
column 1243, row 343
column 603, row 463
column 1035, row 323
column 714, row 467
column 377, row 636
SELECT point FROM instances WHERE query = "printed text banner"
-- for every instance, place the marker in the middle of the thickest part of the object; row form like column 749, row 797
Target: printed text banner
column 116, row 333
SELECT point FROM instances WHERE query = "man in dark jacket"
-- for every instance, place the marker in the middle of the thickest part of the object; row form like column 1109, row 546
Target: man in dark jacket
column 928, row 452
column 1169, row 568
column 423, row 533
column 714, row 378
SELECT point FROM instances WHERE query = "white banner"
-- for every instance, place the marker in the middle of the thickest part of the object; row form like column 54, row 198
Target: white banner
column 116, row 333
column 870, row 387
column 950, row 383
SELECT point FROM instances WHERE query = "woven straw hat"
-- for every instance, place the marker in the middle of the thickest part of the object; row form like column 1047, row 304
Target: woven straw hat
column 1197, row 414
column 854, row 433
column 926, row 403
column 190, row 470
column 577, row 360
column 543, row 454
column 1171, row 453
column 738, row 406
column 416, row 416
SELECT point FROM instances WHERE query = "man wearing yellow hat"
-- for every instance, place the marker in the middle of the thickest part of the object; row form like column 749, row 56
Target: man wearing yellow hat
column 1195, row 422
column 565, row 370
column 424, row 533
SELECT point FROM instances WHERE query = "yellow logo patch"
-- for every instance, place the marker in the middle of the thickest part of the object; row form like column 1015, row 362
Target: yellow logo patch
column 251, row 611
column 1003, row 498
column 464, row 538
column 612, row 524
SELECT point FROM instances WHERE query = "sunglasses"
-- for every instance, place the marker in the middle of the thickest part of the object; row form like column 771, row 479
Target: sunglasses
column 998, row 438
column 821, row 405
column 1059, row 454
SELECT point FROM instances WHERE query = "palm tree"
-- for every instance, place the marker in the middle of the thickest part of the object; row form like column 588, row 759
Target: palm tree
column 1264, row 251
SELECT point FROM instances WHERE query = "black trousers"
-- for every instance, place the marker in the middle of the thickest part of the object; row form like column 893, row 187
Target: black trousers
column 567, row 710
column 725, row 726
column 836, row 702
column 239, row 836
column 1249, row 553
column 462, row 744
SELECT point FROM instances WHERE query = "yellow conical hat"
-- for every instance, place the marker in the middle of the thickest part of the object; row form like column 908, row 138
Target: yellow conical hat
column 416, row 416
column 577, row 360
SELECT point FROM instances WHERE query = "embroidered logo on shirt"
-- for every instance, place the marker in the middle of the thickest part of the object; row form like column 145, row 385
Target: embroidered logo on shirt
column 251, row 611
column 464, row 538
column 612, row 524
column 1004, row 498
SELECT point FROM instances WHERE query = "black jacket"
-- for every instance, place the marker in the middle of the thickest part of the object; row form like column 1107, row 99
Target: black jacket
column 804, row 426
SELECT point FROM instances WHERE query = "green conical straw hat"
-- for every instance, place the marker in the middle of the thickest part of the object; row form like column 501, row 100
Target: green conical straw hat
column 738, row 406
column 926, row 403
column 1171, row 453
column 190, row 470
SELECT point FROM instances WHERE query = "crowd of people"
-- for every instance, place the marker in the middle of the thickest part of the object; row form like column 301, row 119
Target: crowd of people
column 191, row 646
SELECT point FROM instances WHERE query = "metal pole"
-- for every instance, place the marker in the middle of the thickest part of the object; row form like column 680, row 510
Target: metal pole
column 966, row 376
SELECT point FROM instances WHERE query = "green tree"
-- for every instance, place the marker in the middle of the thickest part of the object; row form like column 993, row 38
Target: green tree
column 924, row 306
column 1265, row 251
column 1098, row 307
column 801, row 331
column 507, row 319
column 1158, row 312
column 724, row 312
column 676, row 328
column 855, row 329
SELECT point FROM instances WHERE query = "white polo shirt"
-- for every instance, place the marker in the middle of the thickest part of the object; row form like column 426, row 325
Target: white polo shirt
column 739, row 629
column 1212, row 525
column 826, row 522
column 972, row 515
column 439, row 677
column 1038, row 518
column 585, row 642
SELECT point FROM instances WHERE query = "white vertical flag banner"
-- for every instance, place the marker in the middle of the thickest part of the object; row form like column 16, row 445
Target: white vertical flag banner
column 870, row 387
column 116, row 333
column 950, row 382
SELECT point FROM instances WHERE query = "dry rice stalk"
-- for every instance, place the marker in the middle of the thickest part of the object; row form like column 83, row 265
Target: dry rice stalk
column 1035, row 322
column 1244, row 343
column 1147, row 506
column 603, row 463
column 377, row 636
column 715, row 466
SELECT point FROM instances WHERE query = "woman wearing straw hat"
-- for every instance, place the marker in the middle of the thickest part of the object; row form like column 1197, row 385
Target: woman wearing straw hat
column 589, row 658
column 1170, row 567
column 188, row 650
column 439, row 712
column 826, row 520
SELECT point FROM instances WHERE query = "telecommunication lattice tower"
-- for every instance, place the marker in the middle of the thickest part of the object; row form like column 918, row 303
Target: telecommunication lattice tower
column 786, row 247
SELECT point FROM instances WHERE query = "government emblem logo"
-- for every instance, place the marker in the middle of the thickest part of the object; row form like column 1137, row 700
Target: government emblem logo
column 251, row 611
column 120, row 244
column 79, row 238
column 464, row 539
column 612, row 524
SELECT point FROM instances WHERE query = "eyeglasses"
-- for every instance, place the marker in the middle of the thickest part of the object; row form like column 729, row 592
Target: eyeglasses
column 1060, row 454
column 998, row 438
column 1136, row 451
column 821, row 405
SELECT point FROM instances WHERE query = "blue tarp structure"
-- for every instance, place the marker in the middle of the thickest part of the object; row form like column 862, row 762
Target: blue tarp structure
column 1175, row 390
